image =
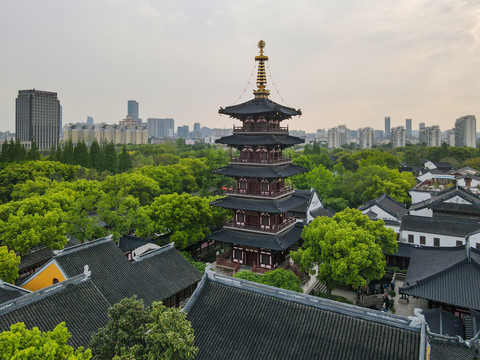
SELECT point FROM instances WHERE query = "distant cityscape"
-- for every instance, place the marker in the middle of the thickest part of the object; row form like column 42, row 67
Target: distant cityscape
column 39, row 118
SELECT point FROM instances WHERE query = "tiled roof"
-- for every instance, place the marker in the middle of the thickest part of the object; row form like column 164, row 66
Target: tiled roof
column 76, row 301
column 237, row 319
column 440, row 226
column 445, row 275
column 174, row 272
column 323, row 211
column 281, row 241
column 443, row 322
column 290, row 203
column 128, row 243
column 448, row 194
column 267, row 172
column 9, row 292
column 450, row 349
column 387, row 204
column 41, row 255
column 259, row 106
column 264, row 140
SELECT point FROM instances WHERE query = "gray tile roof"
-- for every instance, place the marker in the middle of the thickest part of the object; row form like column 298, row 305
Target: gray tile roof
column 128, row 243
column 448, row 194
column 267, row 172
column 236, row 319
column 387, row 204
column 77, row 302
column 281, row 241
column 450, row 349
column 40, row 255
column 174, row 272
column 443, row 322
column 444, row 275
column 440, row 226
column 259, row 106
column 322, row 212
column 9, row 292
column 263, row 140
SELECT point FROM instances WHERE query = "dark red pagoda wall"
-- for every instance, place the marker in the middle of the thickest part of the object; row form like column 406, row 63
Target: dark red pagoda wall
column 257, row 185
column 254, row 218
column 262, row 258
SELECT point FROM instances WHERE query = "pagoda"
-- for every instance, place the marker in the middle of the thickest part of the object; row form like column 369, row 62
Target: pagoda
column 263, row 228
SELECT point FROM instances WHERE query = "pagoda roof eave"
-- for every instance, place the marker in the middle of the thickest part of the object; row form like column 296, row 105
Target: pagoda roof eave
column 279, row 242
column 260, row 106
column 265, row 205
column 264, row 172
column 264, row 139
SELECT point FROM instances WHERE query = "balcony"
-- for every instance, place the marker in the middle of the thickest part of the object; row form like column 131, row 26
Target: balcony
column 254, row 161
column 260, row 194
column 274, row 229
column 279, row 130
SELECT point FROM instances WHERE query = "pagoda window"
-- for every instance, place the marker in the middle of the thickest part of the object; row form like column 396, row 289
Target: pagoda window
column 264, row 186
column 266, row 220
column 242, row 185
column 266, row 259
column 241, row 218
column 237, row 254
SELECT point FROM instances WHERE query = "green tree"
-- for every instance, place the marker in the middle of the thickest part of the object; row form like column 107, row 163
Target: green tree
column 21, row 343
column 346, row 248
column 33, row 153
column 280, row 278
column 9, row 262
column 124, row 160
column 109, row 158
column 142, row 187
column 136, row 332
column 67, row 156
column 95, row 157
column 80, row 154
column 183, row 216
column 19, row 153
column 5, row 157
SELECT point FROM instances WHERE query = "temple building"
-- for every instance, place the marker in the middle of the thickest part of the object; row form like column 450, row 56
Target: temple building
column 264, row 226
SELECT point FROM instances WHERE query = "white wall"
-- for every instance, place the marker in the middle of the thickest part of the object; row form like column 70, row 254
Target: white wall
column 419, row 196
column 422, row 212
column 445, row 240
column 314, row 204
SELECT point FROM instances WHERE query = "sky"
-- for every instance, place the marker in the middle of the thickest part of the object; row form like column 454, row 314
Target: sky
column 341, row 62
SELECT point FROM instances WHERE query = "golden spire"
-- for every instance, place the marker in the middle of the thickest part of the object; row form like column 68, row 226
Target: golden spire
column 262, row 91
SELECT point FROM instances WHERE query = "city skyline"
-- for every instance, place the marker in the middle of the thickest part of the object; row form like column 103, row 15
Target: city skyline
column 339, row 62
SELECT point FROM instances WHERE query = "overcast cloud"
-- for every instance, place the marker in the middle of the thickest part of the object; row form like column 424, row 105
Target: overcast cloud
column 341, row 62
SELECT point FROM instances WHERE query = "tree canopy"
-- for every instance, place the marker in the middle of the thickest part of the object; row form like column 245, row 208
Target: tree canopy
column 347, row 248
column 21, row 343
column 136, row 332
column 9, row 262
column 280, row 278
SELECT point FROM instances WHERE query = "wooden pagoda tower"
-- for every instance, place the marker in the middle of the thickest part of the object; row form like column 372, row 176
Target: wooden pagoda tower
column 263, row 228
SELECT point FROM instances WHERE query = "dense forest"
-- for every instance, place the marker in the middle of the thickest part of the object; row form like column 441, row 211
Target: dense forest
column 154, row 190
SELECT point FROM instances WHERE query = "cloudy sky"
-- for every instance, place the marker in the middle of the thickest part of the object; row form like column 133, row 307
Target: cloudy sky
column 342, row 62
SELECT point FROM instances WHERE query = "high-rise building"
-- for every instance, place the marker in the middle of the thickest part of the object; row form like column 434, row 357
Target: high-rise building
column 133, row 111
column 432, row 135
column 196, row 131
column 387, row 127
column 37, row 118
column 365, row 137
column 465, row 131
column 105, row 133
column 398, row 136
column 421, row 126
column 160, row 127
column 89, row 120
column 450, row 137
column 337, row 136
column 378, row 134
column 182, row 131
column 408, row 127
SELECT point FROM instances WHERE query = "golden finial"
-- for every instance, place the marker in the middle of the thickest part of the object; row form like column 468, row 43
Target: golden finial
column 262, row 91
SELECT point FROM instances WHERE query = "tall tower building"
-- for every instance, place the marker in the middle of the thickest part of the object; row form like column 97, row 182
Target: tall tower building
column 398, row 136
column 433, row 135
column 89, row 120
column 263, row 227
column 183, row 131
column 337, row 136
column 160, row 127
column 465, row 131
column 133, row 111
column 196, row 131
column 37, row 118
column 365, row 137
column 387, row 127
column 408, row 127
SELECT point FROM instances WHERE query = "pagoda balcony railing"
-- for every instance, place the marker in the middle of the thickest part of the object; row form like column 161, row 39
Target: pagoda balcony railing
column 269, row 229
column 260, row 194
column 282, row 130
column 277, row 161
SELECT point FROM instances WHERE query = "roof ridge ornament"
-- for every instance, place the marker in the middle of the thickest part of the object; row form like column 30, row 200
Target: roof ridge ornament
column 262, row 91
